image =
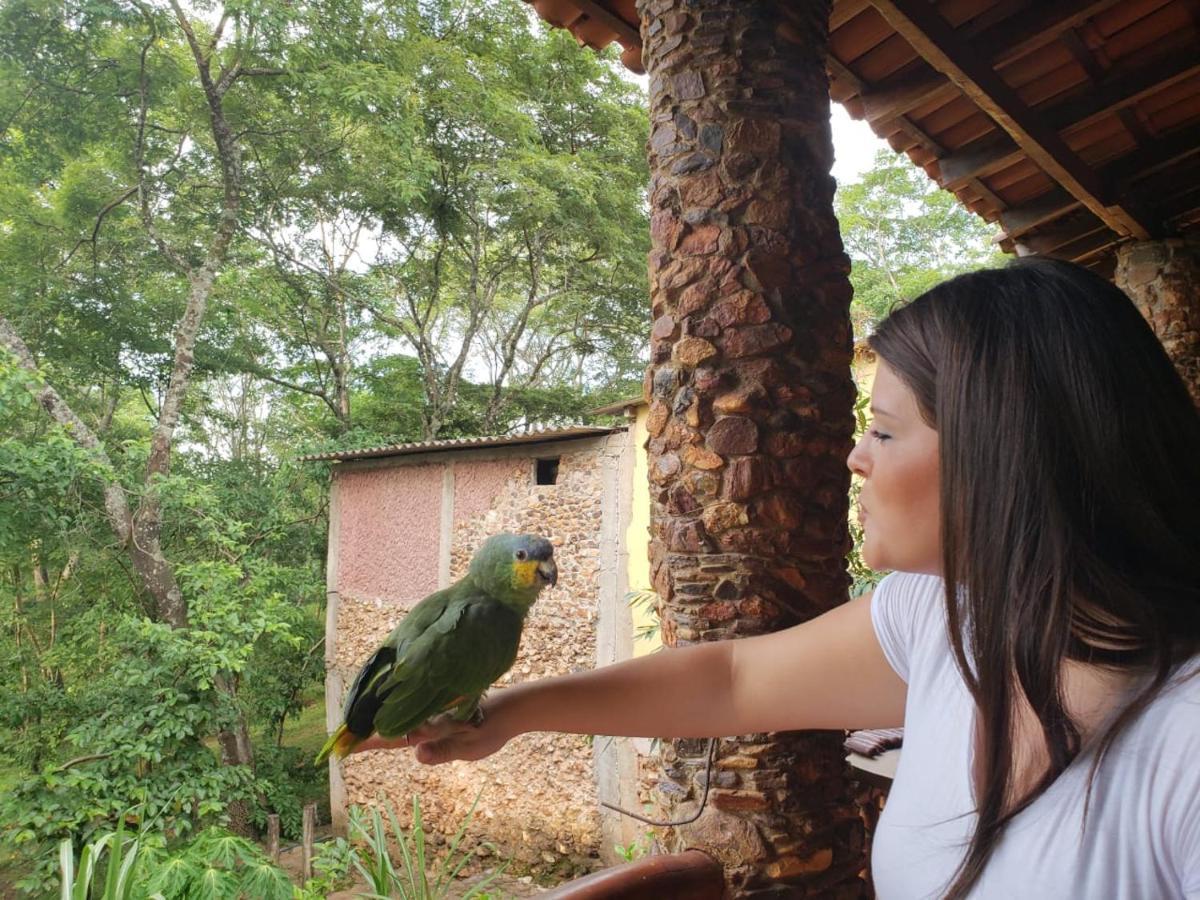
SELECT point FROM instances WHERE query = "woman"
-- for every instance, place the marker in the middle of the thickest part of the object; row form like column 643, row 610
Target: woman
column 1032, row 476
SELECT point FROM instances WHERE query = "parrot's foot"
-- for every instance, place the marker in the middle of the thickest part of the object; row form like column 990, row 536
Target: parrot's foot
column 476, row 717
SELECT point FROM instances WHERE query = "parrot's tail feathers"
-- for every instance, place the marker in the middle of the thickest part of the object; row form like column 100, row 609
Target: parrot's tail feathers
column 339, row 744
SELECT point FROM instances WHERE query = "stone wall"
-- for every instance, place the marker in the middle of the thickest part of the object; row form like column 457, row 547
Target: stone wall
column 539, row 794
column 1163, row 278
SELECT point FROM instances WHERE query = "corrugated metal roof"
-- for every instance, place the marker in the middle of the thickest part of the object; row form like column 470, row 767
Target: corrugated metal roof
column 473, row 443
column 615, row 409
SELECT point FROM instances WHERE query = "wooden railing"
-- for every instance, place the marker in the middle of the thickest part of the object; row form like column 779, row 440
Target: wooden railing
column 691, row 875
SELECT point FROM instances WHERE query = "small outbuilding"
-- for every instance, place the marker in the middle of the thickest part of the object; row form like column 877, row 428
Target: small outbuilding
column 404, row 521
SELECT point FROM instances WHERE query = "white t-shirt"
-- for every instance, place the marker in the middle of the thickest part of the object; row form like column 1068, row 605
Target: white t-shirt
column 1143, row 829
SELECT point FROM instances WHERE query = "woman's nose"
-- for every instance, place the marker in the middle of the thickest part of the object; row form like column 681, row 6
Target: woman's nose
column 858, row 460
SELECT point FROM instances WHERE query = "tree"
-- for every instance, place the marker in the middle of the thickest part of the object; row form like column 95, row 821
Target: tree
column 904, row 235
column 523, row 228
column 163, row 109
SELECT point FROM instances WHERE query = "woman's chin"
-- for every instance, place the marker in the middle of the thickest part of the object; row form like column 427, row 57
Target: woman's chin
column 870, row 558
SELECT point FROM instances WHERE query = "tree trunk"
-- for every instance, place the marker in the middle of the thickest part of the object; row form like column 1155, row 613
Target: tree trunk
column 751, row 408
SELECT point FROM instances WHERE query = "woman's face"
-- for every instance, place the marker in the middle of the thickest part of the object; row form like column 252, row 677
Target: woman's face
column 897, row 460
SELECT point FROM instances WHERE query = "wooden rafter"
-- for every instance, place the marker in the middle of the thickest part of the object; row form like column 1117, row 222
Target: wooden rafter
column 1048, row 240
column 845, row 10
column 1123, row 88
column 1052, row 205
column 919, row 23
column 1039, row 26
column 839, row 71
column 978, row 159
column 628, row 34
column 1116, row 93
column 1165, row 151
column 1007, row 42
column 898, row 96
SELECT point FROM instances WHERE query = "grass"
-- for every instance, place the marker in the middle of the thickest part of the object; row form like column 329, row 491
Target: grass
column 306, row 731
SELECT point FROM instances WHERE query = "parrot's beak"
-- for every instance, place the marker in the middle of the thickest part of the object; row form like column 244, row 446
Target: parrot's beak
column 548, row 572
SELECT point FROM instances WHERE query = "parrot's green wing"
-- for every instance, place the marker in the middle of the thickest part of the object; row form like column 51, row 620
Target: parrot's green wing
column 454, row 658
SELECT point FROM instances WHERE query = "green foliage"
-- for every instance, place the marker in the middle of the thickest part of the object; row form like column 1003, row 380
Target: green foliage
column 118, row 883
column 648, row 601
column 862, row 577
column 904, row 235
column 331, row 867
column 635, row 849
column 214, row 865
column 419, row 876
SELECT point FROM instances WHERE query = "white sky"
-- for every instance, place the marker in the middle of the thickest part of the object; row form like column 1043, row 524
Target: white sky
column 854, row 145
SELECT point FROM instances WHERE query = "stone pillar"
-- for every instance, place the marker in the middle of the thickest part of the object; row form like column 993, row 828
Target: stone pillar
column 1163, row 278
column 751, row 399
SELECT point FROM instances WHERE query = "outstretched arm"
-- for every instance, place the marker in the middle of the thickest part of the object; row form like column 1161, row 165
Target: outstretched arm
column 826, row 673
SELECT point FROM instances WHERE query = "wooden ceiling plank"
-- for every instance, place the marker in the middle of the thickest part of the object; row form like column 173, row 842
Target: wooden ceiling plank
column 842, row 73
column 1018, row 220
column 628, row 35
column 1039, row 26
column 895, row 97
column 1087, row 247
column 1079, row 51
column 1121, row 89
column 921, row 25
column 978, row 159
column 1047, row 240
column 845, row 10
column 902, row 95
column 1166, row 150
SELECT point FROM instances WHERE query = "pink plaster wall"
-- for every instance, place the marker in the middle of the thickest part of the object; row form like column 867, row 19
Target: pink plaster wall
column 478, row 484
column 390, row 530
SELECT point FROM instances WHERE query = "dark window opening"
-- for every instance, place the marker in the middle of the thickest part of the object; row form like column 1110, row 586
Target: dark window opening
column 547, row 470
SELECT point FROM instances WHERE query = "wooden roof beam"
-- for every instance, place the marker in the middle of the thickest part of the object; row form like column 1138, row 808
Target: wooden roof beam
column 994, row 152
column 898, row 96
column 1038, row 26
column 1166, row 150
column 1012, row 39
column 1078, row 251
column 1123, row 88
column 839, row 71
column 626, row 33
column 1018, row 220
column 978, row 159
column 1047, row 240
column 919, row 23
column 845, row 10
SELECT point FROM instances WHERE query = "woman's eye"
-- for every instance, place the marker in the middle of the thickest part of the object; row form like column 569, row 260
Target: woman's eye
column 879, row 435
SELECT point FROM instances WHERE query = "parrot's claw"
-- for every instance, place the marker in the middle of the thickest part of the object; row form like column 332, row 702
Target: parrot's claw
column 476, row 718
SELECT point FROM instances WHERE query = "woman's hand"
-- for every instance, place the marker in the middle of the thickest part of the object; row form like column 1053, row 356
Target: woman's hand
column 443, row 739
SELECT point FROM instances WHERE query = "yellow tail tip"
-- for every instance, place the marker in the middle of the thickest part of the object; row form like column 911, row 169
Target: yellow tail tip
column 339, row 744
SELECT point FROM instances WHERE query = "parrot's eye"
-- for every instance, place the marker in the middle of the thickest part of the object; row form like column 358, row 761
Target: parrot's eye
column 521, row 554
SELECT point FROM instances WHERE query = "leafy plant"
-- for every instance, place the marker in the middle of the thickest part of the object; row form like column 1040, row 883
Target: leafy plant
column 216, row 864
column 863, row 578
column 647, row 601
column 78, row 883
column 331, row 866
column 635, row 849
column 415, row 879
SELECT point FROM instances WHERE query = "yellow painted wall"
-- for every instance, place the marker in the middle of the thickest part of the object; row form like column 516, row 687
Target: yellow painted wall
column 637, row 535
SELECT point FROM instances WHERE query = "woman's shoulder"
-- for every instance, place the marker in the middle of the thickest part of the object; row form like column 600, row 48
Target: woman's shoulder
column 1166, row 733
column 908, row 613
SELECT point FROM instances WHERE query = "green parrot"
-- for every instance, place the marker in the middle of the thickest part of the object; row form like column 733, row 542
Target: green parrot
column 450, row 647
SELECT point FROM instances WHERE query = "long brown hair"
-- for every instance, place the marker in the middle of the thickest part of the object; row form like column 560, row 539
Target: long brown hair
column 1070, row 502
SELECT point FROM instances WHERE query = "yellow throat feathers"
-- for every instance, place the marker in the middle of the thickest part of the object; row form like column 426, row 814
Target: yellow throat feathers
column 524, row 574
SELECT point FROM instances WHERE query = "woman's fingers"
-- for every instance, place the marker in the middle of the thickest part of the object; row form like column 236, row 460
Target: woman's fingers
column 378, row 742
